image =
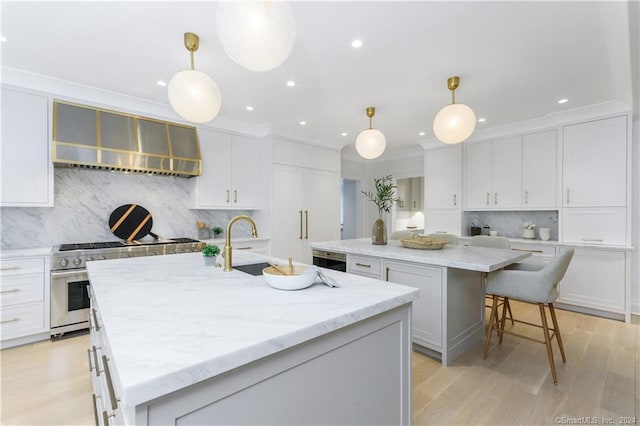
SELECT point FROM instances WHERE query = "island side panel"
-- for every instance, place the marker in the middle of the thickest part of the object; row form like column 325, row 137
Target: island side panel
column 464, row 312
column 360, row 374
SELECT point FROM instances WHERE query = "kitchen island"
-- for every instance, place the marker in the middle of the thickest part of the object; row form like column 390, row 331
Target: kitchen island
column 448, row 318
column 175, row 339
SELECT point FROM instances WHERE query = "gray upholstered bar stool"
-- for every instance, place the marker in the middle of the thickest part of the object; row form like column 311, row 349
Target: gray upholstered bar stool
column 449, row 238
column 493, row 242
column 399, row 235
column 539, row 287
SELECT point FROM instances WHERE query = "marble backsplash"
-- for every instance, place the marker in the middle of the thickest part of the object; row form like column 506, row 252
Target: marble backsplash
column 509, row 223
column 84, row 200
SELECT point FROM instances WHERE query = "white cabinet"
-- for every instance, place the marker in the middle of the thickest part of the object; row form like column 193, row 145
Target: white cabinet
column 443, row 180
column 305, row 209
column 518, row 172
column 493, row 178
column 603, row 225
column 230, row 172
column 539, row 170
column 409, row 191
column 426, row 317
column 594, row 169
column 24, row 300
column 27, row 171
column 595, row 279
column 366, row 266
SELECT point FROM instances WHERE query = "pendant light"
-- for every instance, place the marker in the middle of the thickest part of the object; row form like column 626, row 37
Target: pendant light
column 194, row 95
column 370, row 143
column 258, row 35
column 456, row 122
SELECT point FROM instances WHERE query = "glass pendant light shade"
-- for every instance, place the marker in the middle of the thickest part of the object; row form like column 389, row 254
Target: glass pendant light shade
column 258, row 35
column 454, row 123
column 370, row 143
column 194, row 96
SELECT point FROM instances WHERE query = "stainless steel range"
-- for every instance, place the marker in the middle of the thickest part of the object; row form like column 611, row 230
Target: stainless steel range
column 69, row 279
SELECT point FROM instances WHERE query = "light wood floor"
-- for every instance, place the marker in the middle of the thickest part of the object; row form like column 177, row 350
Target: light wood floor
column 47, row 383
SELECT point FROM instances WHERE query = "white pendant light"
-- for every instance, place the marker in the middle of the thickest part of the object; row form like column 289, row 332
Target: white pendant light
column 194, row 95
column 370, row 143
column 258, row 35
column 456, row 122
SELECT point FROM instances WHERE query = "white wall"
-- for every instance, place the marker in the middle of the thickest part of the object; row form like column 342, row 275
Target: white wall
column 635, row 225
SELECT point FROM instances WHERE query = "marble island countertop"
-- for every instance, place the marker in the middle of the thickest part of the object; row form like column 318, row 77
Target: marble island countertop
column 454, row 256
column 171, row 322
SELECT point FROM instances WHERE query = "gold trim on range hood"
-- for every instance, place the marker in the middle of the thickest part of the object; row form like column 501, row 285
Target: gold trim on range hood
column 129, row 144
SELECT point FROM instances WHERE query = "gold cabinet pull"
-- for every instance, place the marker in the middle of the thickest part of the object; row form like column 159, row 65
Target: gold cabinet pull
column 363, row 265
column 95, row 409
column 529, row 251
column 455, row 199
column 488, row 195
column 386, row 275
column 598, row 240
column 14, row 290
column 495, row 198
column 306, row 224
column 95, row 358
column 526, row 197
column 95, row 319
column 14, row 319
column 243, row 248
column 112, row 393
column 567, row 195
column 235, row 195
column 89, row 355
column 105, row 417
column 227, row 195
column 10, row 268
column 300, row 211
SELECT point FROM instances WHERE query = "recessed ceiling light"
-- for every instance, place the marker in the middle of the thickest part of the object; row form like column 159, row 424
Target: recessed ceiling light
column 563, row 101
column 161, row 83
column 356, row 44
column 343, row 134
column 3, row 38
column 303, row 123
column 421, row 134
column 481, row 120
column 291, row 83
column 249, row 108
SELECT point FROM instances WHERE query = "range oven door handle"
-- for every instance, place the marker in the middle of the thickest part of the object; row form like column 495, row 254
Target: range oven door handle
column 62, row 274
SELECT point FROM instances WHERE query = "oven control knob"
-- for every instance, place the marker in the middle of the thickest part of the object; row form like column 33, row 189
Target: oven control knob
column 77, row 261
column 89, row 259
column 101, row 258
column 63, row 262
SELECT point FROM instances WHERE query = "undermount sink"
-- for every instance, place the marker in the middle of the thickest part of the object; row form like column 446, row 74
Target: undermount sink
column 252, row 268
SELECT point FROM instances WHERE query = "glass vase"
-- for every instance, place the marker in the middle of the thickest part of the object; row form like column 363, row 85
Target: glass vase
column 379, row 232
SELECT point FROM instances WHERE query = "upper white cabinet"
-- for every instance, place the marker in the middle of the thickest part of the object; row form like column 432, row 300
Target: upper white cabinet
column 230, row 172
column 594, row 167
column 27, row 171
column 518, row 172
column 305, row 209
column 539, row 170
column 410, row 191
column 443, row 177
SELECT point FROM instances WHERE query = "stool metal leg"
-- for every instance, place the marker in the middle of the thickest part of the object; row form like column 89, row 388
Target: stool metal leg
column 557, row 329
column 547, row 341
column 492, row 319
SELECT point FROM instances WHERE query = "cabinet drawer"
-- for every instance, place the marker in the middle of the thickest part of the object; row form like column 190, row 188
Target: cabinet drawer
column 595, row 225
column 22, row 320
column 261, row 247
column 535, row 249
column 364, row 265
column 10, row 267
column 21, row 289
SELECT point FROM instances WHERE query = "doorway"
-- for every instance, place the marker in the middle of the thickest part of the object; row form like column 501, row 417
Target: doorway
column 349, row 208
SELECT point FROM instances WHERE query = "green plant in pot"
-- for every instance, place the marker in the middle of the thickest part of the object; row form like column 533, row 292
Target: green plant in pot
column 217, row 231
column 384, row 198
column 210, row 254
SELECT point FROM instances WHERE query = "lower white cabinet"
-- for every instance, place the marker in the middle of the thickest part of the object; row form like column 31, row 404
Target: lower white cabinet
column 24, row 300
column 364, row 265
column 596, row 279
column 426, row 319
column 601, row 225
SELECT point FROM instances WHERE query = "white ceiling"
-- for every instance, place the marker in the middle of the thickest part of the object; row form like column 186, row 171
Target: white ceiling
column 515, row 60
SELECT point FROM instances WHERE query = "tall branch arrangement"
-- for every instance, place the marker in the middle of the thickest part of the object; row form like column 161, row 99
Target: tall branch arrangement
column 385, row 194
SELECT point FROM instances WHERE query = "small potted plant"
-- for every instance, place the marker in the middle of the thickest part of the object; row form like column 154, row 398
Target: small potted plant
column 217, row 231
column 384, row 197
column 210, row 254
column 529, row 230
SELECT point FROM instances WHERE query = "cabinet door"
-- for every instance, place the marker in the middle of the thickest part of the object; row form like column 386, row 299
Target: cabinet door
column 320, row 202
column 443, row 177
column 212, row 188
column 27, row 174
column 539, row 170
column 506, row 173
column 595, row 163
column 595, row 279
column 442, row 220
column 477, row 167
column 602, row 225
column 286, row 213
column 245, row 172
column 426, row 316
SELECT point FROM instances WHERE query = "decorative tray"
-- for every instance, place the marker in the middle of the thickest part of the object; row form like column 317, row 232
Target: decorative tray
column 422, row 242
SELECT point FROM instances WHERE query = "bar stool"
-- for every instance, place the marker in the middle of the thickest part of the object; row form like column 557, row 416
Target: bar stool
column 492, row 242
column 449, row 238
column 539, row 287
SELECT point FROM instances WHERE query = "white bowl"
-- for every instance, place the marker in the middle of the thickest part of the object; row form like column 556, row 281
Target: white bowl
column 303, row 276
